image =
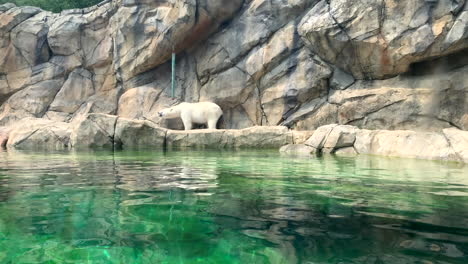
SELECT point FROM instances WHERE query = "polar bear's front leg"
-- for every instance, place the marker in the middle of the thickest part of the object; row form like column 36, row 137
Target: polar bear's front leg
column 187, row 120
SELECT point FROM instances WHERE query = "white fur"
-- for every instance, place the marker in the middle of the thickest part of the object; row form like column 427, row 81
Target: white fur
column 198, row 113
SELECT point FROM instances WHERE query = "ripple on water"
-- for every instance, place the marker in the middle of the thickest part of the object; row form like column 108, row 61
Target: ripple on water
column 229, row 207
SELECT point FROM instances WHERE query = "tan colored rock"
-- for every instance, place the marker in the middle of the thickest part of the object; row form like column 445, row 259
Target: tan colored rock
column 458, row 140
column 430, row 102
column 93, row 131
column 139, row 134
column 32, row 133
column 36, row 98
column 298, row 150
column 199, row 139
column 340, row 137
column 363, row 143
column 282, row 93
column 254, row 137
column 377, row 39
column 300, row 137
column 138, row 36
column 262, row 137
column 64, row 35
column 255, row 24
column 320, row 136
column 227, row 89
column 76, row 89
column 140, row 102
column 411, row 144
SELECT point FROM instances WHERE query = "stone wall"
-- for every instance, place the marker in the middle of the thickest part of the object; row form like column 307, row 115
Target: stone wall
column 301, row 63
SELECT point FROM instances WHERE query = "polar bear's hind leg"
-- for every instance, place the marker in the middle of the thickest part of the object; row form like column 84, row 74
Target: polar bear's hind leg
column 212, row 123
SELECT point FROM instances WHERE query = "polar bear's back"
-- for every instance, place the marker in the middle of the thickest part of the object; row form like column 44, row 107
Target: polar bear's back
column 201, row 112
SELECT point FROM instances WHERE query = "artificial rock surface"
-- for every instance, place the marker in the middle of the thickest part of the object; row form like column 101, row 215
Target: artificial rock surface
column 373, row 64
column 449, row 145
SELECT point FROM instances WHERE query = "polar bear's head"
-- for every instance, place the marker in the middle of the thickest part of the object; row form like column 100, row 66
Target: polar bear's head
column 171, row 112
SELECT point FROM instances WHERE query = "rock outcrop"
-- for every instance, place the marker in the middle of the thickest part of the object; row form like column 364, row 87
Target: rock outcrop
column 449, row 145
column 303, row 64
column 300, row 63
column 94, row 131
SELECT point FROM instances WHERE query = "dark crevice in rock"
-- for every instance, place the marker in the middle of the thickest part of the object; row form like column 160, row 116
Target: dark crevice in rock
column 256, row 85
column 383, row 107
column 443, row 64
column 26, row 138
column 113, row 139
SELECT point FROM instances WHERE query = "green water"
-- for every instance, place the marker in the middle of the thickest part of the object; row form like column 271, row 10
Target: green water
column 229, row 207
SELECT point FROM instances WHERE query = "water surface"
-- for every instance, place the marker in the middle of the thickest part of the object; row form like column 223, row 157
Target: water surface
column 229, row 207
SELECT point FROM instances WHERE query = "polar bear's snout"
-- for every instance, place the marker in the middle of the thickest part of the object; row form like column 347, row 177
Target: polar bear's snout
column 160, row 114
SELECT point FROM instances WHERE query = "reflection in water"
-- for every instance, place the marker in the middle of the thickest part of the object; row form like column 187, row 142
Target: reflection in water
column 229, row 207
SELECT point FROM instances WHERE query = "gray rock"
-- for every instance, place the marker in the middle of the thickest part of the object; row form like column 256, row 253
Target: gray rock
column 254, row 137
column 298, row 150
column 341, row 80
column 32, row 133
column 93, row 131
column 139, row 134
column 458, row 140
column 340, row 137
column 320, row 136
column 76, row 89
column 299, row 63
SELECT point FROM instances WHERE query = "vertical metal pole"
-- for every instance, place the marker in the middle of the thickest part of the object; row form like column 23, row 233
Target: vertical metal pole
column 173, row 73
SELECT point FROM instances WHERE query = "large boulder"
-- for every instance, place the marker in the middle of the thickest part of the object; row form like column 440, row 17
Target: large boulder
column 76, row 89
column 138, row 134
column 411, row 144
column 33, row 101
column 318, row 139
column 425, row 101
column 93, row 131
column 458, row 140
column 376, row 39
column 332, row 137
column 343, row 140
column 33, row 133
column 262, row 137
column 254, row 137
column 144, row 41
column 198, row 139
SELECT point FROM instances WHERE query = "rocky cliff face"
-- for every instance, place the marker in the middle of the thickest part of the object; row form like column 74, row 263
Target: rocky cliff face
column 375, row 64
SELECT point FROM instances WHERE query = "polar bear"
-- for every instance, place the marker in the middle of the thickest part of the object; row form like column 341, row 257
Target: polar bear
column 199, row 113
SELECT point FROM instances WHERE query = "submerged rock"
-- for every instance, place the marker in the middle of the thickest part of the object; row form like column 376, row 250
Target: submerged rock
column 298, row 150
